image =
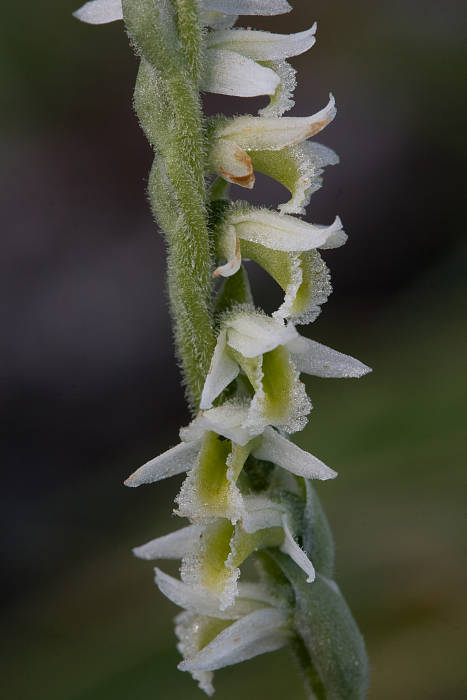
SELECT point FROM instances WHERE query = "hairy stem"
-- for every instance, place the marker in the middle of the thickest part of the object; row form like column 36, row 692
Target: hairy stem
column 168, row 107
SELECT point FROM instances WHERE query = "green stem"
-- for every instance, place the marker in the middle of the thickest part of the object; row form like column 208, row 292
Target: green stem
column 168, row 107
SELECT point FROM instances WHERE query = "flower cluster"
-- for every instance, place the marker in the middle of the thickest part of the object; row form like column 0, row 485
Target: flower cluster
column 247, row 487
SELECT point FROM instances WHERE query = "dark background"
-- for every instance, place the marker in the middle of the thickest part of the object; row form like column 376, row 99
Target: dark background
column 90, row 389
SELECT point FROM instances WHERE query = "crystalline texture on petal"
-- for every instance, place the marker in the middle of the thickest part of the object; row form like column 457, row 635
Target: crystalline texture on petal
column 228, row 420
column 200, row 600
column 319, row 360
column 177, row 460
column 252, row 334
column 295, row 552
column 282, row 99
column 263, row 46
column 257, row 633
column 262, row 133
column 222, row 371
column 100, row 11
column 210, row 489
column 230, row 73
column 284, row 232
column 299, row 168
column 275, row 448
column 172, row 546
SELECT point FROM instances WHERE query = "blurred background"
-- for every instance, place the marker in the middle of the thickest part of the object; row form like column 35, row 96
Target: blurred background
column 90, row 389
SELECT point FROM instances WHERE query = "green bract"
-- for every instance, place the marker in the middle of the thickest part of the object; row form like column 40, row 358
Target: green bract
column 247, row 492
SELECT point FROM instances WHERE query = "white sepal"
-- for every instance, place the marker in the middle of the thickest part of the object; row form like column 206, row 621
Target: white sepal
column 284, row 232
column 177, row 460
column 253, row 334
column 309, row 159
column 295, row 552
column 247, row 7
column 172, row 546
column 261, row 513
column 232, row 163
column 218, row 20
column 257, row 633
column 273, row 447
column 228, row 420
column 273, row 134
column 222, row 371
column 263, row 46
column 320, row 361
column 100, row 11
column 229, row 247
column 201, row 600
column 230, row 73
column 282, row 100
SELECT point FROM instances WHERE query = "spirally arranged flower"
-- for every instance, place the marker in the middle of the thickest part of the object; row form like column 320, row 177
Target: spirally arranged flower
column 247, row 491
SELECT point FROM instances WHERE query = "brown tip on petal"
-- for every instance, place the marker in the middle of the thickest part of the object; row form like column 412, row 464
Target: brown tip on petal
column 316, row 127
column 247, row 179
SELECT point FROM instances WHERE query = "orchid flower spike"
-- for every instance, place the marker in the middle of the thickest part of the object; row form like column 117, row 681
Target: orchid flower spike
column 247, row 490
column 271, row 354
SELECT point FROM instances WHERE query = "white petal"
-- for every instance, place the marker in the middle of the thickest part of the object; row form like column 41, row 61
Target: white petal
column 253, row 334
column 229, row 247
column 100, row 11
column 261, row 513
column 232, row 163
column 230, row 73
column 172, row 546
column 282, row 100
column 291, row 548
column 284, row 232
column 218, row 20
column 227, row 420
column 277, row 449
column 177, row 460
column 222, row 371
column 310, row 160
column 201, row 600
column 257, row 633
column 260, row 592
column 247, row 7
column 263, row 46
column 272, row 134
column 320, row 361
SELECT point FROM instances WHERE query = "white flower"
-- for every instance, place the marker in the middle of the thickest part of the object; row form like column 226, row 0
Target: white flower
column 231, row 66
column 271, row 354
column 214, row 465
column 103, row 11
column 100, row 11
column 232, row 138
column 258, row 632
column 271, row 230
column 235, row 141
column 231, row 73
column 262, row 46
column 198, row 599
column 211, row 555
